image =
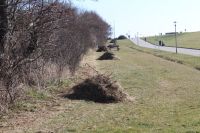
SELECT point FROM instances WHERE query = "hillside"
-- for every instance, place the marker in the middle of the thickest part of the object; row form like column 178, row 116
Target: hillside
column 166, row 100
column 187, row 40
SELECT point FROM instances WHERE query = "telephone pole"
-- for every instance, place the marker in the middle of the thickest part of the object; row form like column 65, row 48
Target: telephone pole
column 175, row 35
column 115, row 40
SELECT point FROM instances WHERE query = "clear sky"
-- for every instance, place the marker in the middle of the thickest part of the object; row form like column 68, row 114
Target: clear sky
column 147, row 17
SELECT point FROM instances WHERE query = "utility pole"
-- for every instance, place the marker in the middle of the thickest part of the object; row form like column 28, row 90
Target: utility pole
column 114, row 29
column 175, row 35
column 115, row 42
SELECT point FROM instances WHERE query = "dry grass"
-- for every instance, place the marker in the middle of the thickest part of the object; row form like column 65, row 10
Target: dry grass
column 166, row 100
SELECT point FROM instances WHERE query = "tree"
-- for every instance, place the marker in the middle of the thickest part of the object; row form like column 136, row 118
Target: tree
column 37, row 34
column 99, row 29
column 3, row 24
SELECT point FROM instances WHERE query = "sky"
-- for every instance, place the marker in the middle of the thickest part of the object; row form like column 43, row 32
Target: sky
column 146, row 17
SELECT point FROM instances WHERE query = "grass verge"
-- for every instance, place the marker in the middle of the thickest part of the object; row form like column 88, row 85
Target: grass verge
column 166, row 99
column 186, row 40
column 188, row 60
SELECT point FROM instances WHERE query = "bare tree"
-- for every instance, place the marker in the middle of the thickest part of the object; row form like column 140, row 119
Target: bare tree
column 3, row 24
column 98, row 27
column 36, row 33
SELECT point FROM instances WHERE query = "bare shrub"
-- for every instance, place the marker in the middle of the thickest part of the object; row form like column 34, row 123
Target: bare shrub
column 36, row 35
column 99, row 29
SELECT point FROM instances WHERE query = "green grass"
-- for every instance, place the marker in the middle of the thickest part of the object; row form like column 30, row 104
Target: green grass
column 37, row 95
column 32, row 100
column 167, row 99
column 191, row 61
column 34, row 97
column 58, row 86
column 23, row 106
column 187, row 40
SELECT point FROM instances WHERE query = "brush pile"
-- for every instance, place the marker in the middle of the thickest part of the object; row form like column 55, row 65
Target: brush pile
column 108, row 56
column 99, row 88
column 102, row 49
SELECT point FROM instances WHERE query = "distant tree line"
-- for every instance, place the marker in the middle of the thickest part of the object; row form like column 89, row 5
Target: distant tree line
column 37, row 35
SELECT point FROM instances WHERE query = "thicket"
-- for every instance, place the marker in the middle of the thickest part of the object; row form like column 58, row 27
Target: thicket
column 40, row 40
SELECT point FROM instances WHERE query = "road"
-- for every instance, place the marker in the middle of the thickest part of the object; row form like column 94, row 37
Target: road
column 142, row 43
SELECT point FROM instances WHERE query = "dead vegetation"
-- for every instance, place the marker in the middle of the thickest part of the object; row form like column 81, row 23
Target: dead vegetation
column 99, row 88
column 102, row 49
column 108, row 56
column 40, row 40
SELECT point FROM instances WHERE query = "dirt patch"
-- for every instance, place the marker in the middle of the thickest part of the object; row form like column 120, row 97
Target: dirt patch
column 99, row 88
column 108, row 56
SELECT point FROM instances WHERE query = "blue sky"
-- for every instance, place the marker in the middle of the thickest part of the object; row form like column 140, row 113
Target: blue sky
column 148, row 17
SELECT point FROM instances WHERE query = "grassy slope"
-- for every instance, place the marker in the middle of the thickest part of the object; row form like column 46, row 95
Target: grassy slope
column 167, row 99
column 191, row 61
column 188, row 40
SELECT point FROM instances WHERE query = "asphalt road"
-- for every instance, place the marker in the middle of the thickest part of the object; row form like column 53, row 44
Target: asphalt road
column 142, row 43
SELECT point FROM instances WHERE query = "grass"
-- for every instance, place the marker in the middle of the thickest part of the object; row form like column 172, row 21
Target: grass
column 34, row 97
column 188, row 60
column 58, row 86
column 31, row 101
column 167, row 98
column 187, row 40
column 38, row 95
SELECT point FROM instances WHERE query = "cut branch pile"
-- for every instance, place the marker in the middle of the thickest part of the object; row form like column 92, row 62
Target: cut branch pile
column 108, row 56
column 102, row 49
column 99, row 88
